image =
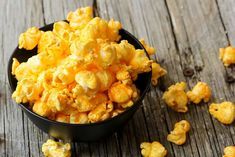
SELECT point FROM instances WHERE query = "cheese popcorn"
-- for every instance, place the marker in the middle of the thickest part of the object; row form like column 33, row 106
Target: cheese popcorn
column 227, row 55
column 176, row 98
column 29, row 39
column 178, row 135
column 154, row 149
column 157, row 71
column 229, row 151
column 150, row 50
column 15, row 64
column 200, row 91
column 56, row 149
column 224, row 112
column 79, row 18
column 82, row 72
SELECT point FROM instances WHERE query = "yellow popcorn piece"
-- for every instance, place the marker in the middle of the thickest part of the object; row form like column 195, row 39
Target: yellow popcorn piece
column 63, row 31
column 154, row 149
column 120, row 93
column 63, row 118
column 227, row 55
column 98, row 28
column 229, row 151
column 79, row 18
column 27, row 90
column 29, row 39
column 157, row 72
column 105, row 79
column 84, row 50
column 223, row 112
column 125, row 51
column 56, row 149
column 100, row 113
column 140, row 62
column 42, row 109
column 15, row 64
column 79, row 118
column 150, row 50
column 200, row 91
column 176, row 98
column 178, row 135
column 87, row 80
column 107, row 56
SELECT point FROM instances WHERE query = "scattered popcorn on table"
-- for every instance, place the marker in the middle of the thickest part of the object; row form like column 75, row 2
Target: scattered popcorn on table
column 200, row 91
column 227, row 55
column 157, row 71
column 81, row 73
column 178, row 135
column 56, row 149
column 229, row 151
column 29, row 39
column 223, row 112
column 154, row 149
column 176, row 98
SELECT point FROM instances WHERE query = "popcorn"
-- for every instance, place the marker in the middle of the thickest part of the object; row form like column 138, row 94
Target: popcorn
column 200, row 91
column 120, row 93
column 79, row 118
column 157, row 71
column 100, row 113
column 29, row 39
column 178, row 135
column 79, row 18
column 224, row 112
column 81, row 73
column 227, row 55
column 176, row 97
column 229, row 151
column 15, row 64
column 154, row 149
column 56, row 149
column 87, row 80
column 150, row 50
column 140, row 62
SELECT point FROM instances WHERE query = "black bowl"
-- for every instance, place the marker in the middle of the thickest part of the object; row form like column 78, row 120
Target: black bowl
column 81, row 132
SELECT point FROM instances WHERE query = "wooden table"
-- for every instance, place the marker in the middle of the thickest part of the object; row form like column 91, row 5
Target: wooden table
column 187, row 35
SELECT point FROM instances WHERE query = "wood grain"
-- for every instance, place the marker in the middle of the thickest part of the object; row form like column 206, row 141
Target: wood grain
column 186, row 34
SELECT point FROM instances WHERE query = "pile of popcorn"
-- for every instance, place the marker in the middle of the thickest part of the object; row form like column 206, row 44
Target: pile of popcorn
column 82, row 72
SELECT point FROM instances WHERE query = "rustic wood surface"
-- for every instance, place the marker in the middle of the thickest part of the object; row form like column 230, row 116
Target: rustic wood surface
column 187, row 35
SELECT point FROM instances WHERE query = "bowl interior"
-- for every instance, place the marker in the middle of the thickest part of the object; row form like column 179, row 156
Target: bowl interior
column 22, row 55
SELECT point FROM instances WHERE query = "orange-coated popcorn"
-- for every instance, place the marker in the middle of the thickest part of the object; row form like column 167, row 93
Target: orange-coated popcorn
column 101, row 112
column 201, row 91
column 81, row 73
column 154, row 149
column 79, row 18
column 79, row 118
column 157, row 71
column 176, row 98
column 227, row 55
column 56, row 149
column 178, row 135
column 15, row 64
column 223, row 112
column 150, row 50
column 229, row 151
column 29, row 39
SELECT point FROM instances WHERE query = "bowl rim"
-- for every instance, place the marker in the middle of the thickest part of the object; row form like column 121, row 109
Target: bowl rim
column 23, row 106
